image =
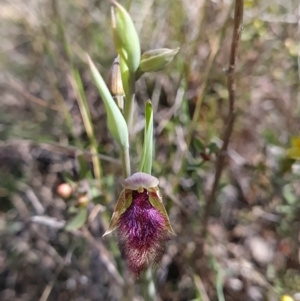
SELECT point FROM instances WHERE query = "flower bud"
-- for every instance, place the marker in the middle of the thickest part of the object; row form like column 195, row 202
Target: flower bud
column 141, row 221
column 156, row 59
column 125, row 36
column 115, row 84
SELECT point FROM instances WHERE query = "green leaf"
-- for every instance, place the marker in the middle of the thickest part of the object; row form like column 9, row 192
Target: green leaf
column 78, row 220
column 125, row 37
column 213, row 148
column 83, row 167
column 289, row 194
column 198, row 145
column 147, row 156
column 194, row 167
column 285, row 165
column 115, row 120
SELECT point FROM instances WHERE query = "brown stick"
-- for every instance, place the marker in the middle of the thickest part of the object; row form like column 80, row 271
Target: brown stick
column 238, row 18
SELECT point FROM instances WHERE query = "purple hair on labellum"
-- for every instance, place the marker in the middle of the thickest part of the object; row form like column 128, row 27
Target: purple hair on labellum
column 141, row 221
column 142, row 232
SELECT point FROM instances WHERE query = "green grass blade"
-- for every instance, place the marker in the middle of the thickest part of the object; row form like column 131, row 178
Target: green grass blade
column 87, row 121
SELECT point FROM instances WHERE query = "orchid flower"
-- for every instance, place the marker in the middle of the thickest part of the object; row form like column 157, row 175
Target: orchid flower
column 141, row 221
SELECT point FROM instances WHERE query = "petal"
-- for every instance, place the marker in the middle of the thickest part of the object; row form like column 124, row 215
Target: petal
column 156, row 201
column 124, row 201
column 140, row 180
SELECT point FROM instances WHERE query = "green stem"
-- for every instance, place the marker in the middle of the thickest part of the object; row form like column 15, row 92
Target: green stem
column 219, row 284
column 62, row 33
column 149, row 290
column 125, row 162
column 129, row 101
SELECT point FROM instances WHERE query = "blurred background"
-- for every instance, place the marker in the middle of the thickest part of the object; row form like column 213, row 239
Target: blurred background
column 54, row 207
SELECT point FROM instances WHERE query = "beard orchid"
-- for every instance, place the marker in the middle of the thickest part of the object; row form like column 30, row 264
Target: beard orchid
column 141, row 221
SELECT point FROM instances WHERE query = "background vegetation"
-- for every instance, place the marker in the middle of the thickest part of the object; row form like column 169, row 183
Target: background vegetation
column 251, row 250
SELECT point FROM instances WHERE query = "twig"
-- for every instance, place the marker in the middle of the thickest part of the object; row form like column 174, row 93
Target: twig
column 238, row 17
column 48, row 221
column 215, row 44
column 13, row 84
column 50, row 285
column 103, row 254
column 69, row 150
column 35, row 202
column 84, row 232
column 94, row 213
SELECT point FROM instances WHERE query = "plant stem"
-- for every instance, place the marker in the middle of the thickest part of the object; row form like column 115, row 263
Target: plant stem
column 125, row 162
column 149, row 290
column 129, row 101
column 238, row 17
column 219, row 284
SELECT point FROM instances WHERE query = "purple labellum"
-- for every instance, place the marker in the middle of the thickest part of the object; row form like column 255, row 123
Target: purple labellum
column 141, row 221
column 142, row 232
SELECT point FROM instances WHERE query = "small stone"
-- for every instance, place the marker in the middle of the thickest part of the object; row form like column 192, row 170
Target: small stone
column 254, row 293
column 234, row 284
column 261, row 251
